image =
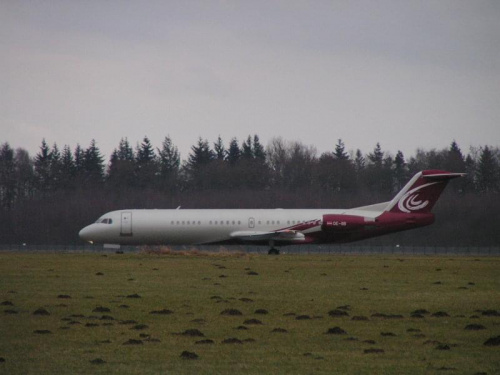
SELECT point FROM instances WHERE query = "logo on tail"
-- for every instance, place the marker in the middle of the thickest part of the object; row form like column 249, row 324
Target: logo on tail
column 410, row 201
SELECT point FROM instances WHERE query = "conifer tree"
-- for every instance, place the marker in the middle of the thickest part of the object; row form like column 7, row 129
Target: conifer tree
column 42, row 168
column 234, row 152
column 339, row 152
column 93, row 165
column 400, row 171
column 246, row 149
column 7, row 176
column 219, row 149
column 169, row 159
column 487, row 171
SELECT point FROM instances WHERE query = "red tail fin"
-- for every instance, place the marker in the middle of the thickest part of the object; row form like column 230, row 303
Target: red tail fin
column 421, row 193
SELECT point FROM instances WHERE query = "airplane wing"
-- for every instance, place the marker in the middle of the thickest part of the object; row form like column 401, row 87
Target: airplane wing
column 282, row 235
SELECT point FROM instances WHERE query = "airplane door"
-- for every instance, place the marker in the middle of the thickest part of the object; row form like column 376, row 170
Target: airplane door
column 126, row 229
column 251, row 222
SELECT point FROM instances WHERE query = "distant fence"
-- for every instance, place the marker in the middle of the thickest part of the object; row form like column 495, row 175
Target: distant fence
column 297, row 249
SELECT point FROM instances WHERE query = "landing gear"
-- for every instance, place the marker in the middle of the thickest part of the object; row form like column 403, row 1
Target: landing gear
column 273, row 250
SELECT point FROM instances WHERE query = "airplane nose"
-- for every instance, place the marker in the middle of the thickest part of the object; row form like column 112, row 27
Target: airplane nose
column 85, row 233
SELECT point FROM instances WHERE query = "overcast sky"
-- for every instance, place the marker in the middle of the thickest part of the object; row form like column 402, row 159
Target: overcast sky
column 406, row 74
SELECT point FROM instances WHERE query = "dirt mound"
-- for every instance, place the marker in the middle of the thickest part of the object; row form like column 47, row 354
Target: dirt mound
column 10, row 311
column 387, row 334
column 6, row 303
column 369, row 342
column 206, row 341
column 359, row 318
column 420, row 311
column 337, row 312
column 413, row 330
column 134, row 296
column 440, row 314
column 417, row 316
column 133, row 342
column 106, row 317
column 443, row 347
column 387, row 316
column 192, row 333
column 252, row 321
column 279, row 330
column 303, row 317
column 140, row 327
column 490, row 313
column 374, row 351
column 492, row 341
column 335, row 331
column 162, row 312
column 101, row 309
column 474, row 327
column 97, row 361
column 344, row 307
column 252, row 273
column 242, row 328
column 246, row 299
column 261, row 311
column 198, row 320
column 232, row 340
column 42, row 331
column 249, row 340
column 231, row 312
column 128, row 322
column 41, row 311
column 189, row 355
column 90, row 325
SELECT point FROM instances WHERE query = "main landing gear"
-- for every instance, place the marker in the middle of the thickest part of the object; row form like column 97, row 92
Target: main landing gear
column 273, row 250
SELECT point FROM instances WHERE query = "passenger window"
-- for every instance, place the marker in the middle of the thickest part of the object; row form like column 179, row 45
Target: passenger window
column 199, row 222
column 110, row 221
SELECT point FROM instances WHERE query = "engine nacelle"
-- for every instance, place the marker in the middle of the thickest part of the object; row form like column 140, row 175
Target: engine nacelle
column 345, row 223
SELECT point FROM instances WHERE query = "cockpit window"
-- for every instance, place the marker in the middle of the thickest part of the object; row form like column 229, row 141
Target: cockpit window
column 104, row 221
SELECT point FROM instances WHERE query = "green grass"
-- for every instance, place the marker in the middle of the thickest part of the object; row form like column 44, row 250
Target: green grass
column 305, row 285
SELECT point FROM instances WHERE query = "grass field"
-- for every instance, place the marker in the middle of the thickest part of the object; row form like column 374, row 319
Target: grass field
column 100, row 316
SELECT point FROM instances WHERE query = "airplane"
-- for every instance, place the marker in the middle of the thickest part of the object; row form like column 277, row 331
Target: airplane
column 409, row 209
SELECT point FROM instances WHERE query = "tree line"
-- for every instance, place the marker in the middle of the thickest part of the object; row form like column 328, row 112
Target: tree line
column 48, row 197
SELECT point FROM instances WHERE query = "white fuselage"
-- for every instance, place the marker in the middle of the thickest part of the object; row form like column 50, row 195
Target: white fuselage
column 200, row 226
